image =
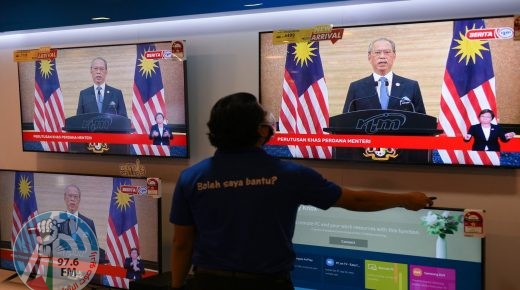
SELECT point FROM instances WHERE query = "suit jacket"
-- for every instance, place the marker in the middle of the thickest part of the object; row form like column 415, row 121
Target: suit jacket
column 362, row 95
column 130, row 272
column 88, row 103
column 160, row 140
column 89, row 222
column 480, row 142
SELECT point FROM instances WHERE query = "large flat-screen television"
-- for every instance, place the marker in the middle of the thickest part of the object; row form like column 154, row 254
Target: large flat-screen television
column 116, row 210
column 445, row 73
column 393, row 249
column 127, row 99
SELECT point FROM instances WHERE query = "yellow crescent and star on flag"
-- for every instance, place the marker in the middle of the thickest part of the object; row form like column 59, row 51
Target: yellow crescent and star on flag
column 24, row 187
column 122, row 199
column 468, row 48
column 147, row 66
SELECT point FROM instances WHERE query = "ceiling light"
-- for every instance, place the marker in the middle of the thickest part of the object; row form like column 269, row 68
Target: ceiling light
column 253, row 4
column 99, row 18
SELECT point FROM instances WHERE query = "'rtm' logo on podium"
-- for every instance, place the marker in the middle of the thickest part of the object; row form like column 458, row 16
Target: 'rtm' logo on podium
column 382, row 122
column 97, row 123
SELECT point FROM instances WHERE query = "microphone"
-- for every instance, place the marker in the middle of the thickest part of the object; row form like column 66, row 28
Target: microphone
column 358, row 99
column 67, row 227
column 112, row 105
column 404, row 101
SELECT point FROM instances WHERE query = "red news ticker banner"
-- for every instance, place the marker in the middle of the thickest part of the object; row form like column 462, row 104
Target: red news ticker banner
column 111, row 138
column 384, row 141
column 102, row 269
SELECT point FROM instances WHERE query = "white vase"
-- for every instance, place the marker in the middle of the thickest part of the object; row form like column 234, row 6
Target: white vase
column 440, row 248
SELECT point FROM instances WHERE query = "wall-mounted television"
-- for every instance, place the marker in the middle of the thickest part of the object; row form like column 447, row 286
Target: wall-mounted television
column 127, row 99
column 116, row 209
column 445, row 72
column 393, row 249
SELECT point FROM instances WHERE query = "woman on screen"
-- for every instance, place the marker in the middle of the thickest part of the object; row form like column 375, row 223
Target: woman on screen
column 134, row 266
column 160, row 133
column 486, row 134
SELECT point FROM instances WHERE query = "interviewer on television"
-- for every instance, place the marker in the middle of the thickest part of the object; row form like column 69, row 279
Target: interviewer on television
column 486, row 134
column 100, row 97
column 401, row 93
column 234, row 213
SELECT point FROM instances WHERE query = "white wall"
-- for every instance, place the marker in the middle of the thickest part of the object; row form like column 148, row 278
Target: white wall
column 223, row 58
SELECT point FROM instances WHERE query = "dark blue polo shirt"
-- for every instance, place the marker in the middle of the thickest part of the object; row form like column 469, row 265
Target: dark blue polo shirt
column 243, row 206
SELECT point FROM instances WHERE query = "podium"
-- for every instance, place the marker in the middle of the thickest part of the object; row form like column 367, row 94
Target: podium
column 383, row 122
column 98, row 123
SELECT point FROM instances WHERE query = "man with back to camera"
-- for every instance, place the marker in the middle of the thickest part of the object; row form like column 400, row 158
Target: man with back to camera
column 100, row 97
column 234, row 213
column 366, row 93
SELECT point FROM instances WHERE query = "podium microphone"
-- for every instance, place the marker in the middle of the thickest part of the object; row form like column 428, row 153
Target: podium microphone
column 358, row 99
column 406, row 101
column 112, row 105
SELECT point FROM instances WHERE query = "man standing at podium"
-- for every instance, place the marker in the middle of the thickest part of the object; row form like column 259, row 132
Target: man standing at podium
column 100, row 97
column 383, row 89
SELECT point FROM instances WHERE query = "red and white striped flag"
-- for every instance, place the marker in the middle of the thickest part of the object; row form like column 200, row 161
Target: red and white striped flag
column 122, row 230
column 48, row 103
column 469, row 87
column 148, row 99
column 305, row 98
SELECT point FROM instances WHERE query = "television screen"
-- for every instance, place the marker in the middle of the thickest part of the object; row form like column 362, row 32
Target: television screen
column 114, row 99
column 391, row 249
column 445, row 75
column 117, row 211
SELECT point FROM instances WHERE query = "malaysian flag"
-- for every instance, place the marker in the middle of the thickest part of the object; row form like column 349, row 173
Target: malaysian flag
column 122, row 230
column 305, row 99
column 23, row 243
column 148, row 99
column 24, row 205
column 48, row 103
column 469, row 87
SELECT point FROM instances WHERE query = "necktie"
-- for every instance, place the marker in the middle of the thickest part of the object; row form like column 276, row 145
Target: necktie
column 383, row 93
column 99, row 99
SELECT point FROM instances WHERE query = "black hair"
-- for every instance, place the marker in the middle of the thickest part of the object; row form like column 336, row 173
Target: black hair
column 234, row 121
column 487, row 111
column 157, row 115
column 134, row 249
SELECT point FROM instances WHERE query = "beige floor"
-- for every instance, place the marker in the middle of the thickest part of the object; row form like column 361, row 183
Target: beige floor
column 10, row 281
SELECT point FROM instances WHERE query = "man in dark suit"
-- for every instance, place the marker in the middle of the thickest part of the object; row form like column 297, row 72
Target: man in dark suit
column 365, row 94
column 100, row 98
column 383, row 90
column 72, row 197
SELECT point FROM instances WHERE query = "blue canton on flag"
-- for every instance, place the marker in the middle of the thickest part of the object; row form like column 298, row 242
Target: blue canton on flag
column 305, row 100
column 468, row 70
column 24, row 206
column 148, row 99
column 122, row 231
column 49, row 115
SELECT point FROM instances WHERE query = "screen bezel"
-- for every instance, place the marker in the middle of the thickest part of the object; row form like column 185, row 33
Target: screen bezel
column 269, row 103
column 4, row 244
column 177, row 95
